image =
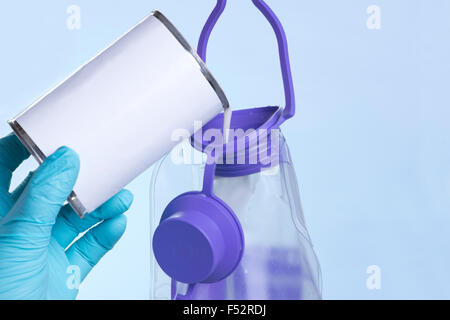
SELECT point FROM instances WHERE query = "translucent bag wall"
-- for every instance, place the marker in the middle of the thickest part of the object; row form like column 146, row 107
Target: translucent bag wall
column 278, row 262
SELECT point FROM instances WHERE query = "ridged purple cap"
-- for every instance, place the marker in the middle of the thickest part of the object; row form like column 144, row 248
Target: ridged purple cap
column 198, row 239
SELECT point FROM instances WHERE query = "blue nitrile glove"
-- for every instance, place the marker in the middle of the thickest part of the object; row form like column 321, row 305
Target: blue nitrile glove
column 36, row 227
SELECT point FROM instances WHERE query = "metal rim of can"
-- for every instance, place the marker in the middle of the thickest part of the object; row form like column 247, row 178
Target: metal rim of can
column 37, row 153
column 204, row 69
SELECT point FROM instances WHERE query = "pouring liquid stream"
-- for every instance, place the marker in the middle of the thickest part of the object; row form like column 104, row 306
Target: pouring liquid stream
column 226, row 124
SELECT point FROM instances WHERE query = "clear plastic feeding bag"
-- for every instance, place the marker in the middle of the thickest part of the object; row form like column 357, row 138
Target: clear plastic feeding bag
column 278, row 260
column 226, row 216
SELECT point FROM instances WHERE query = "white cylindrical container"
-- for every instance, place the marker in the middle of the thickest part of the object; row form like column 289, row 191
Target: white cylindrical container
column 120, row 109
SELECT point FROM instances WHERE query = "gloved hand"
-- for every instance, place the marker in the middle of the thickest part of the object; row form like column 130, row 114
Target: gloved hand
column 36, row 228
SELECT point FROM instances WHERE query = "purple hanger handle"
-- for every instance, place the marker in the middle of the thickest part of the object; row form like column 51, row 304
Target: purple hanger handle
column 289, row 109
column 208, row 27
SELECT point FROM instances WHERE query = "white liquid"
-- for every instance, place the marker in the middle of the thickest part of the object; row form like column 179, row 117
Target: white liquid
column 226, row 124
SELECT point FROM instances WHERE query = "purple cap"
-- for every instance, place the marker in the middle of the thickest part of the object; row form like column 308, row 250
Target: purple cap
column 199, row 239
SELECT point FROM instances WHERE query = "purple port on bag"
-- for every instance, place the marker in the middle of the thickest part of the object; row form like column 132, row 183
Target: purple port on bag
column 204, row 236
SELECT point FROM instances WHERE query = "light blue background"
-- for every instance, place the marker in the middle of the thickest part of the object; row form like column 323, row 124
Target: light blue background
column 370, row 141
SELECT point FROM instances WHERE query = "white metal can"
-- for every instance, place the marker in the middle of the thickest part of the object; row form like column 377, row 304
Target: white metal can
column 119, row 110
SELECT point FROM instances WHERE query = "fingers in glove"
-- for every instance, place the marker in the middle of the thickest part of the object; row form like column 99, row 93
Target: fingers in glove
column 49, row 187
column 12, row 154
column 87, row 251
column 19, row 189
column 69, row 225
